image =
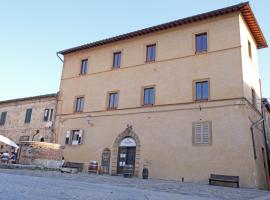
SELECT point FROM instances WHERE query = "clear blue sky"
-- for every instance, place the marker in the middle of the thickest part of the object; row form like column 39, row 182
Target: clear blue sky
column 33, row 31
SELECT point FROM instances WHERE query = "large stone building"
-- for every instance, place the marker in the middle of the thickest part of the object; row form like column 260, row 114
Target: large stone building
column 28, row 118
column 181, row 98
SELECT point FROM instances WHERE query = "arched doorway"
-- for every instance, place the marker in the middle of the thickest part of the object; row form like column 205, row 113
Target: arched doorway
column 120, row 141
column 105, row 160
column 126, row 154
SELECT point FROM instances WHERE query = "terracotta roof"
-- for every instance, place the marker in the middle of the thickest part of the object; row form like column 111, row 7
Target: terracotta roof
column 30, row 98
column 244, row 8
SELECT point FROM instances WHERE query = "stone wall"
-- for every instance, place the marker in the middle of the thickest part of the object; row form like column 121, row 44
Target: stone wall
column 40, row 153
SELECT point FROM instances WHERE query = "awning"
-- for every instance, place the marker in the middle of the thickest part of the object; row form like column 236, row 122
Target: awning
column 8, row 142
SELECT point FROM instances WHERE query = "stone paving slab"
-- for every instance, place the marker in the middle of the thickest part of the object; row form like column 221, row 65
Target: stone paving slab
column 149, row 187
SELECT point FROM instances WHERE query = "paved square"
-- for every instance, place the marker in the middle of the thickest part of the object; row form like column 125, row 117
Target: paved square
column 39, row 185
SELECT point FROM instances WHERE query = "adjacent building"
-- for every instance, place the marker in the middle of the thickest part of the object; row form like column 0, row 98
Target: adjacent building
column 28, row 119
column 181, row 98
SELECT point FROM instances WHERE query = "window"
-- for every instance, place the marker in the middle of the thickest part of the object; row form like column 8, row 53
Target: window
column 74, row 137
column 113, row 100
column 3, row 118
column 253, row 95
column 48, row 114
column 201, row 42
column 149, row 96
column 84, row 66
column 202, row 90
column 151, row 53
column 79, row 104
column 28, row 116
column 202, row 133
column 249, row 50
column 116, row 60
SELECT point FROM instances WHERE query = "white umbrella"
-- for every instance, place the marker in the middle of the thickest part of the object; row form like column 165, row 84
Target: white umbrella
column 8, row 142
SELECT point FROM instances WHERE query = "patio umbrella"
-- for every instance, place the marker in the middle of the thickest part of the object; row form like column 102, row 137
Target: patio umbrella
column 8, row 142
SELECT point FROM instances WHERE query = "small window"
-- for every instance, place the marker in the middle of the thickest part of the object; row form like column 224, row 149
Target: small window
column 201, row 133
column 74, row 137
column 202, row 90
column 84, row 66
column 48, row 115
column 249, row 50
column 201, row 42
column 151, row 53
column 28, row 115
column 116, row 60
column 149, row 96
column 3, row 118
column 79, row 104
column 113, row 100
column 253, row 95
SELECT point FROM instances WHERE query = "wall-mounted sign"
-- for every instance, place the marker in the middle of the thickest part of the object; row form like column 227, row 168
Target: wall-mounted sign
column 128, row 142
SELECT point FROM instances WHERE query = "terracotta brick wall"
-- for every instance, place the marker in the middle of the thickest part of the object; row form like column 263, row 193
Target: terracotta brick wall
column 40, row 153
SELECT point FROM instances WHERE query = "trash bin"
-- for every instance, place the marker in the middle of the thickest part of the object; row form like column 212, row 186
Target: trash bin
column 128, row 171
column 93, row 166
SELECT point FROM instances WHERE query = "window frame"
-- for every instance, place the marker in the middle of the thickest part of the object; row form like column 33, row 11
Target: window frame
column 49, row 115
column 108, row 100
column 195, row 42
column 146, row 52
column 195, row 89
column 3, row 121
column 210, row 135
column 75, row 104
column 84, row 72
column 249, row 50
column 120, row 63
column 254, row 98
column 69, row 140
column 26, row 120
column 143, row 93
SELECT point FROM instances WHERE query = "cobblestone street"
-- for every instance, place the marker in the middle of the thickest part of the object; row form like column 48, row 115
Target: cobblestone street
column 39, row 185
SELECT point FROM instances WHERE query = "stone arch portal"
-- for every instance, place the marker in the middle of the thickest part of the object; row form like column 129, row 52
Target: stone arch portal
column 127, row 133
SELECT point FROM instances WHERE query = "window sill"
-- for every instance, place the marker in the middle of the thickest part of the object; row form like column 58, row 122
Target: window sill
column 115, row 68
column 201, row 52
column 149, row 62
column 78, row 112
column 111, row 109
column 201, row 100
column 148, row 105
column 83, row 74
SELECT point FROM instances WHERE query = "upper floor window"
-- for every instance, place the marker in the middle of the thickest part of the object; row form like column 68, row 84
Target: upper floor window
column 28, row 115
column 113, row 100
column 117, row 60
column 149, row 96
column 201, row 133
column 249, row 50
column 253, row 95
column 151, row 53
column 3, row 118
column 48, row 115
column 79, row 104
column 201, row 42
column 202, row 90
column 84, row 66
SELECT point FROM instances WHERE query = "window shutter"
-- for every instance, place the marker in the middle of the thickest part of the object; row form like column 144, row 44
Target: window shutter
column 201, row 133
column 80, row 139
column 67, row 141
